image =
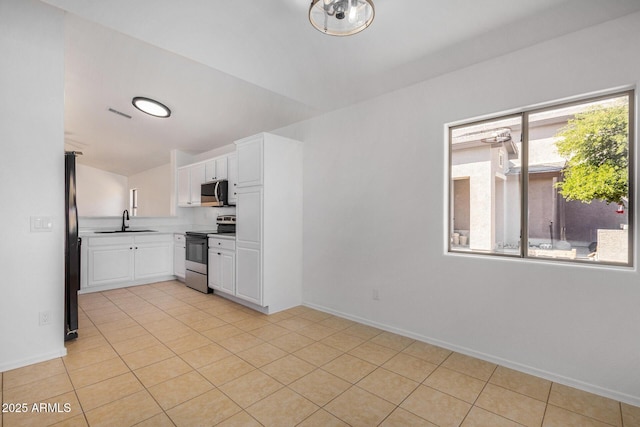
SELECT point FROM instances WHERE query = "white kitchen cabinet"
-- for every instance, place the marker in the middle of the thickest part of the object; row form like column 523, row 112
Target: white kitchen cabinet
column 269, row 222
column 249, row 213
column 222, row 262
column 250, row 161
column 232, row 177
column 216, row 169
column 184, row 186
column 197, row 172
column 110, row 264
column 179, row 253
column 153, row 259
column 190, row 178
column 118, row 261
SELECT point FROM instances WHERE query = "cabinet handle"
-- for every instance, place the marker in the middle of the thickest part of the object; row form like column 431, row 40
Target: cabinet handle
column 130, row 247
column 136, row 247
column 219, row 253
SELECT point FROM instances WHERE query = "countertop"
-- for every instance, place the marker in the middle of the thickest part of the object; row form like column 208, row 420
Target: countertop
column 228, row 236
column 156, row 230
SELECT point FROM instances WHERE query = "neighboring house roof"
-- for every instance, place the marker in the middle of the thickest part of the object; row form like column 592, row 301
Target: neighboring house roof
column 539, row 168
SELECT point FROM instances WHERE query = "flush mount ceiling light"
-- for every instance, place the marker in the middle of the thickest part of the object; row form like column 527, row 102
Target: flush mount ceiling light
column 151, row 107
column 341, row 17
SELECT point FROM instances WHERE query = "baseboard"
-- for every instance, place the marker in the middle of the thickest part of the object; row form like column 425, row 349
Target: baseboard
column 560, row 379
column 31, row 360
column 256, row 307
column 121, row 285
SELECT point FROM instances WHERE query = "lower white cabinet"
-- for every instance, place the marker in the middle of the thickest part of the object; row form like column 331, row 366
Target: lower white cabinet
column 117, row 261
column 179, row 253
column 249, row 283
column 222, row 265
column 110, row 264
column 249, row 215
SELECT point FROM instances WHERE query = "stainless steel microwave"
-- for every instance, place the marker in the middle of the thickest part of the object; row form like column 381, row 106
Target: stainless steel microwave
column 214, row 193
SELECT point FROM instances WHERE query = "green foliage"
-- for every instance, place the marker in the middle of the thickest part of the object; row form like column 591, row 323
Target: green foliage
column 596, row 146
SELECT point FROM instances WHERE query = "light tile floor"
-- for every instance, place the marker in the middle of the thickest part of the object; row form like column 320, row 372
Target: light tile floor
column 164, row 355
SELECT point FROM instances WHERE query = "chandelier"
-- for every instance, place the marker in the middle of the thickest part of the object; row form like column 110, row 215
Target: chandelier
column 341, row 17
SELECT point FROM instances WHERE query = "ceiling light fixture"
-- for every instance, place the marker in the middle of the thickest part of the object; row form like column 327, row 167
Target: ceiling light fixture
column 151, row 107
column 341, row 17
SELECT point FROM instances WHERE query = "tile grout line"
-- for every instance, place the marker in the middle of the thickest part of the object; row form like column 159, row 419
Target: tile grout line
column 473, row 405
column 126, row 364
column 193, row 302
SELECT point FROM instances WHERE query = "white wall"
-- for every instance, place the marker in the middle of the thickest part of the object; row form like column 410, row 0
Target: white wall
column 101, row 193
column 154, row 191
column 32, row 176
column 375, row 217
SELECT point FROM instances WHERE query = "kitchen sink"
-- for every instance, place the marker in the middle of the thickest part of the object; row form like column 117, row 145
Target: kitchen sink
column 126, row 231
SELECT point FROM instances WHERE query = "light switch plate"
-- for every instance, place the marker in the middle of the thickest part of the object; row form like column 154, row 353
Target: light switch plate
column 41, row 223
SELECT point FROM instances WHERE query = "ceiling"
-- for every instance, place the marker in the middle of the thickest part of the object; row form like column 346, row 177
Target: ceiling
column 229, row 69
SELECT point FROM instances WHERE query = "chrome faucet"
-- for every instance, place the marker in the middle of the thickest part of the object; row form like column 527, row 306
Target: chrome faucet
column 124, row 227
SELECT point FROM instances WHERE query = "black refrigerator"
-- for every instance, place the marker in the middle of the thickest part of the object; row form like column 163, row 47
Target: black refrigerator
column 72, row 249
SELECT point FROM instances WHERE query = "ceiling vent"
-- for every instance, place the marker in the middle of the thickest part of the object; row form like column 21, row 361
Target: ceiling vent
column 120, row 113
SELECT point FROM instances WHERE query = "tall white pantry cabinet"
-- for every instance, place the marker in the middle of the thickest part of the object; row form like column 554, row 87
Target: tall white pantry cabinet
column 269, row 221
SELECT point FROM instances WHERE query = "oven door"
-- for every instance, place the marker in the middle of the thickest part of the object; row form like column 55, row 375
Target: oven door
column 196, row 254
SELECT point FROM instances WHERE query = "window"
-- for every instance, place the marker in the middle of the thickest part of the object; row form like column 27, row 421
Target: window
column 133, row 201
column 552, row 183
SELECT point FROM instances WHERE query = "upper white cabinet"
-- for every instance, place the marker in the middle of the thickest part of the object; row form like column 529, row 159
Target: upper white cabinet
column 269, row 222
column 232, row 177
column 197, row 179
column 250, row 161
column 216, row 169
column 190, row 178
column 184, row 186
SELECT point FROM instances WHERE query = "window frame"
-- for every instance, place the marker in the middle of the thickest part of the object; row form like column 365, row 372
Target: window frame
column 133, row 201
column 524, row 115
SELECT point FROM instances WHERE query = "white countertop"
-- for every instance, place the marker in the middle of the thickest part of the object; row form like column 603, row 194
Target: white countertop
column 228, row 236
column 156, row 230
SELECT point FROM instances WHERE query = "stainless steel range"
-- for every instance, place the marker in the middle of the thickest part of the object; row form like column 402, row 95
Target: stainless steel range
column 197, row 251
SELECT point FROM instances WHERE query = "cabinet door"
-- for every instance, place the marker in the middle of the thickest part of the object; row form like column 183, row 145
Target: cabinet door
column 249, row 216
column 250, row 162
column 210, row 171
column 109, row 264
column 153, row 259
column 228, row 271
column 184, row 187
column 232, row 177
column 248, row 244
column 179, row 253
column 249, row 274
column 214, row 272
column 221, row 168
column 197, row 179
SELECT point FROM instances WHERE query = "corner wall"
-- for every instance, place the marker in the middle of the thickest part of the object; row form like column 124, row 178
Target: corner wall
column 375, row 217
column 101, row 193
column 31, row 134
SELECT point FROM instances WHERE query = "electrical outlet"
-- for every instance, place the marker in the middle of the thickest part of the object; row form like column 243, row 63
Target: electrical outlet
column 45, row 318
column 375, row 295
